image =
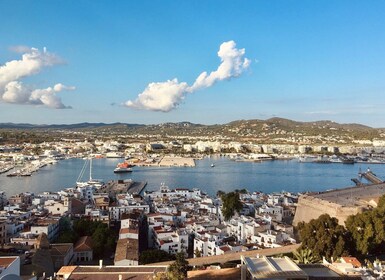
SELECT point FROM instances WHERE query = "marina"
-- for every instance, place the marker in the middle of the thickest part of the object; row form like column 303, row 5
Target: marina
column 266, row 176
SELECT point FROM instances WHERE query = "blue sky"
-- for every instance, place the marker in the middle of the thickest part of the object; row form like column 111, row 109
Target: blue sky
column 309, row 60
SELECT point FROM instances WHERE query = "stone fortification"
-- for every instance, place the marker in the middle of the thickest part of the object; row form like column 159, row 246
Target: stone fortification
column 310, row 207
column 339, row 204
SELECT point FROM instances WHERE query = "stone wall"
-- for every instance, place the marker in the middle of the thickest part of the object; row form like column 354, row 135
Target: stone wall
column 310, row 207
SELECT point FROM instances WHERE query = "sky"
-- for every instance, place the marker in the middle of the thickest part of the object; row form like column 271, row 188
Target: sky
column 149, row 62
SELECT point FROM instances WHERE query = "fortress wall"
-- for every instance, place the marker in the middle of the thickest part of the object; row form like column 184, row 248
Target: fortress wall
column 310, row 207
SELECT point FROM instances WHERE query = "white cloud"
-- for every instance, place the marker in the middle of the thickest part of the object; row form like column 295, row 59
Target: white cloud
column 15, row 92
column 12, row 90
column 163, row 96
column 166, row 96
column 48, row 96
column 232, row 65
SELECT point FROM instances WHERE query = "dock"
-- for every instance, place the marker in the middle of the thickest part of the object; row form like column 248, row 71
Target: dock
column 371, row 177
column 137, row 187
column 123, row 186
column 357, row 182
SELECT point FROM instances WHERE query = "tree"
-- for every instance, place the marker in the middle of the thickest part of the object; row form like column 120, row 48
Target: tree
column 178, row 269
column 367, row 230
column 324, row 237
column 230, row 204
column 305, row 256
column 66, row 233
column 102, row 240
column 153, row 256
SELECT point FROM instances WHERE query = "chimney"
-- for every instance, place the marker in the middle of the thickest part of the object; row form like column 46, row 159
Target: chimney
column 100, row 264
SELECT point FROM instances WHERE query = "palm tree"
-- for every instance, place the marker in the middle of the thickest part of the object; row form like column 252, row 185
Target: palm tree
column 305, row 256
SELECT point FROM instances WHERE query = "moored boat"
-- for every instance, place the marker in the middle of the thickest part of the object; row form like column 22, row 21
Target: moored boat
column 123, row 167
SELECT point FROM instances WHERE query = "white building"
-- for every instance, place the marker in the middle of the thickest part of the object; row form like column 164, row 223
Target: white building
column 49, row 226
column 170, row 241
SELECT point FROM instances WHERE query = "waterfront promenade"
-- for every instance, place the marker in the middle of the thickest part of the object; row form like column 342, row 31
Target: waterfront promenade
column 237, row 256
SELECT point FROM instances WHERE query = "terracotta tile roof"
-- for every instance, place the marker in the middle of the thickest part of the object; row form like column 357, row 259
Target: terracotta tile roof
column 352, row 260
column 112, row 272
column 84, row 244
column 127, row 249
column 225, row 248
column 6, row 261
column 223, row 274
column 128, row 230
column 60, row 249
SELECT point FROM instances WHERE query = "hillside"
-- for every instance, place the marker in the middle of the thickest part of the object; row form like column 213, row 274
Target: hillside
column 277, row 130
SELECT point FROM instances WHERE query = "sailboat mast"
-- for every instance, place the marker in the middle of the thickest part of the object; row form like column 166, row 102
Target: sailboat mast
column 90, row 169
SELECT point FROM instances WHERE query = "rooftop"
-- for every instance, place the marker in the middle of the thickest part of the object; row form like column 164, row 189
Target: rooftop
column 6, row 261
column 84, row 244
column 270, row 268
column 223, row 274
column 127, row 249
column 110, row 272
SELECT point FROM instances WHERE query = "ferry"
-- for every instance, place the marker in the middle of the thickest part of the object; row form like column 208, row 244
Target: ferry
column 123, row 167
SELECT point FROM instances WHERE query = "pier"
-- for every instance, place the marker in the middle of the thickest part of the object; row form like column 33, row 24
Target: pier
column 371, row 177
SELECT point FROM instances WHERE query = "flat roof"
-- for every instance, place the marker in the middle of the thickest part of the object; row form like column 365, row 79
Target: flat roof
column 318, row 270
column 268, row 267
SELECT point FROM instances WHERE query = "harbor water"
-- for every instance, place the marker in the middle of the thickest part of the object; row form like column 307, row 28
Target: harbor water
column 225, row 175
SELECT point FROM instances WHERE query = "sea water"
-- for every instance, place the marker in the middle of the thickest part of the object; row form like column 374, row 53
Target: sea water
column 226, row 175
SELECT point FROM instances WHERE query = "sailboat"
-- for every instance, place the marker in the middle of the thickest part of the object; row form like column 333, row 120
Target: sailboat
column 91, row 182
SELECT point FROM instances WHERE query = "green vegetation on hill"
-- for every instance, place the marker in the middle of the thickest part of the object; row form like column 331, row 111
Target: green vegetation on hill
column 277, row 130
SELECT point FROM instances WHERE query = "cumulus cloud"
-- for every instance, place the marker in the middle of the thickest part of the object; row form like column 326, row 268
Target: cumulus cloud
column 48, row 96
column 166, row 96
column 163, row 96
column 12, row 90
column 232, row 65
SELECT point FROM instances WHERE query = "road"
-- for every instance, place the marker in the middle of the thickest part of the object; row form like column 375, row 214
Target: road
column 237, row 256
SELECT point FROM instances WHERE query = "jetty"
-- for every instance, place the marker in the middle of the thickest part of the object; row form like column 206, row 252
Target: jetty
column 371, row 177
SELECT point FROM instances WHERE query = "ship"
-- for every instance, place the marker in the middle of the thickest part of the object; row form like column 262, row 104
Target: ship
column 123, row 167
